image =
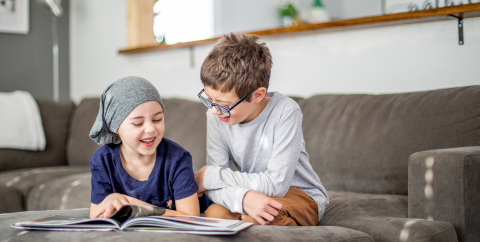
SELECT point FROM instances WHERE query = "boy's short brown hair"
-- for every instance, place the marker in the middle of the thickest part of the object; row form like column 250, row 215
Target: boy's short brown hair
column 237, row 62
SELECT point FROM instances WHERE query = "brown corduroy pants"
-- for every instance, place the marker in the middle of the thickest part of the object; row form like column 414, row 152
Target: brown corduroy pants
column 300, row 210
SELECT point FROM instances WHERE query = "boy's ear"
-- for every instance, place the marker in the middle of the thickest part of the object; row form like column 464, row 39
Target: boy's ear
column 259, row 94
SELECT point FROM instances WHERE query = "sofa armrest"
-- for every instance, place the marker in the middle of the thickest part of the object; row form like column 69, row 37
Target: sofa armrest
column 444, row 185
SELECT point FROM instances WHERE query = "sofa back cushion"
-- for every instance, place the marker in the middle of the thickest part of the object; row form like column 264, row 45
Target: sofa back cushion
column 55, row 120
column 185, row 124
column 80, row 147
column 362, row 143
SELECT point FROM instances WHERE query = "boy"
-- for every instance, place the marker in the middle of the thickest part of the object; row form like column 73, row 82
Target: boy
column 258, row 132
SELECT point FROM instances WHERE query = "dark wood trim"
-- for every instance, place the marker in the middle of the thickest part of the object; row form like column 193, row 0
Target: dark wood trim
column 436, row 14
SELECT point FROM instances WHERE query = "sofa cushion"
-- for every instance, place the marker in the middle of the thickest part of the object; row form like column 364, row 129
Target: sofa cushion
column 254, row 233
column 62, row 193
column 361, row 143
column 186, row 124
column 80, row 147
column 384, row 217
column 11, row 200
column 18, row 183
column 55, row 119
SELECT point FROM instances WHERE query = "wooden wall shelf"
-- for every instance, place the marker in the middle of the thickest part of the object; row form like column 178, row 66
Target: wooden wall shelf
column 436, row 14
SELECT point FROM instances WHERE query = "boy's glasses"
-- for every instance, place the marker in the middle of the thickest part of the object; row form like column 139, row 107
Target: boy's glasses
column 223, row 110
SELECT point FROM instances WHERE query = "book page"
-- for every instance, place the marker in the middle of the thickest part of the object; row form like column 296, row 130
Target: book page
column 59, row 221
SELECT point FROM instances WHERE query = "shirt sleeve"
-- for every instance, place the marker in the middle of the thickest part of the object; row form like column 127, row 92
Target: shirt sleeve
column 101, row 184
column 184, row 184
column 276, row 180
column 229, row 197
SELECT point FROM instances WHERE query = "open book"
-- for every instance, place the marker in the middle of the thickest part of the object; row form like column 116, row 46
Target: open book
column 139, row 218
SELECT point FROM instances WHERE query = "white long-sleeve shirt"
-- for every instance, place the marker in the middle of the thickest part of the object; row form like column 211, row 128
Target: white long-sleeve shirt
column 269, row 151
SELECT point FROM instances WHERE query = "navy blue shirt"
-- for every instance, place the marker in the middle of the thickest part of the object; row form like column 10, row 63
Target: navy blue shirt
column 171, row 178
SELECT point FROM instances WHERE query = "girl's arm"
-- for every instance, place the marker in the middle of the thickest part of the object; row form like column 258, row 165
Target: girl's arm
column 114, row 201
column 185, row 206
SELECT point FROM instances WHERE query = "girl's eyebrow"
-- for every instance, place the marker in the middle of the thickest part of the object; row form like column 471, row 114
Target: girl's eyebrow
column 144, row 117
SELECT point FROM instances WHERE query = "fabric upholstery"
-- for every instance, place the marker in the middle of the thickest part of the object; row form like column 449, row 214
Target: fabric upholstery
column 384, row 217
column 55, row 119
column 11, row 200
column 18, row 183
column 255, row 233
column 444, row 185
column 186, row 124
column 361, row 143
column 62, row 193
column 80, row 147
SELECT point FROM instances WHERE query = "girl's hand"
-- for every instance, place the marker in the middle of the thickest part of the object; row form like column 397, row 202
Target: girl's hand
column 112, row 202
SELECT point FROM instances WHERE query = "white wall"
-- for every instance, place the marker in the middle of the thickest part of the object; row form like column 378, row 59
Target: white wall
column 246, row 15
column 390, row 59
column 251, row 15
column 363, row 8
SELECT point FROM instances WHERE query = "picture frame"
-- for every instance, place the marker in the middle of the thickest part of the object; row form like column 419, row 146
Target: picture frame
column 14, row 16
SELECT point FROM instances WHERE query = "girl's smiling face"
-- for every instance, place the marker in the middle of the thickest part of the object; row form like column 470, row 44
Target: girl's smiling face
column 142, row 130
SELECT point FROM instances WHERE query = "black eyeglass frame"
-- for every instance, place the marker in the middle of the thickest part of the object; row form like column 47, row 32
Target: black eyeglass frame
column 223, row 110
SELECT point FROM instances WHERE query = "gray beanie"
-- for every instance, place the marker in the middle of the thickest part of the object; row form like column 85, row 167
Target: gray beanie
column 117, row 101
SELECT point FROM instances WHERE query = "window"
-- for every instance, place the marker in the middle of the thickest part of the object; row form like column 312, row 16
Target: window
column 183, row 20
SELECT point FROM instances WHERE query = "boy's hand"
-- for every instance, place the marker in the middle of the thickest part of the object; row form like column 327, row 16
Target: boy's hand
column 199, row 179
column 112, row 202
column 260, row 207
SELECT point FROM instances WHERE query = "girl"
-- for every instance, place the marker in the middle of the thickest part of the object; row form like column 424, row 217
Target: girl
column 135, row 164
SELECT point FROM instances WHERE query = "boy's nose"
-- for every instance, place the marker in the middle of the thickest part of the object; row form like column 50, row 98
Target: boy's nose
column 214, row 110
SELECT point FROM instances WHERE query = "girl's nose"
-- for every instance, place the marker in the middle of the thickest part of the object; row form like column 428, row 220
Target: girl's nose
column 149, row 128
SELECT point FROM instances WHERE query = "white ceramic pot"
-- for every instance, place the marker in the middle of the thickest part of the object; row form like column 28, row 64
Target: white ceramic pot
column 318, row 15
column 287, row 21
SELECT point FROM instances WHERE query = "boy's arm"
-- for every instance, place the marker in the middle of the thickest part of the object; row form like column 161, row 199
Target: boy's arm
column 229, row 197
column 276, row 180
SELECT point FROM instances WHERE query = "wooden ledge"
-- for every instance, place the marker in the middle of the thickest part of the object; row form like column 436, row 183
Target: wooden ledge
column 435, row 14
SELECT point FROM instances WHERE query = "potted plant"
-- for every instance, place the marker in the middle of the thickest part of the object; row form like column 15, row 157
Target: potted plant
column 288, row 13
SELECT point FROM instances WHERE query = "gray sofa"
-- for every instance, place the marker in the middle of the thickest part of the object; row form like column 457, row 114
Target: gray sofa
column 397, row 167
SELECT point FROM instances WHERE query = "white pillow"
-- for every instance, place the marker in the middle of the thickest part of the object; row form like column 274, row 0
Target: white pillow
column 20, row 122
